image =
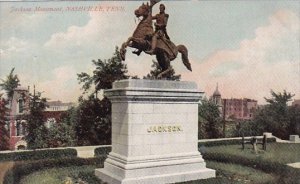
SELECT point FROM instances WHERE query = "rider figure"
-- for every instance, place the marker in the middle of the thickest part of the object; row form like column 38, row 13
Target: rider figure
column 160, row 27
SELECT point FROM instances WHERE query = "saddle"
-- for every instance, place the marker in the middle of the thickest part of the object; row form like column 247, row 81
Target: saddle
column 168, row 46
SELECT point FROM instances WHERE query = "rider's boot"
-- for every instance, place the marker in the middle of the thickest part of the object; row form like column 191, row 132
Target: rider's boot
column 153, row 45
column 166, row 35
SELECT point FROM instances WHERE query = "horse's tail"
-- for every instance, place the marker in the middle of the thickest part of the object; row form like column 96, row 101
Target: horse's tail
column 184, row 56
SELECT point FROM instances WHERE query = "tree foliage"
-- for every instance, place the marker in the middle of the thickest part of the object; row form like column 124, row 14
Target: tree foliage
column 4, row 134
column 105, row 73
column 94, row 122
column 10, row 83
column 156, row 69
column 37, row 132
column 210, row 121
column 94, row 115
column 276, row 117
column 63, row 132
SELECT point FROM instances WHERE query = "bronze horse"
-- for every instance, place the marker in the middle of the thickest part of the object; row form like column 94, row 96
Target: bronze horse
column 165, row 51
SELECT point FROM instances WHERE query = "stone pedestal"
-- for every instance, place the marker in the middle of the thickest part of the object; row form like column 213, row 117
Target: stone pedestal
column 154, row 133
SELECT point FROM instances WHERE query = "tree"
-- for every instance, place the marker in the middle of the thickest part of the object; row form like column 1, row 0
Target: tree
column 4, row 134
column 37, row 132
column 156, row 69
column 294, row 114
column 94, row 122
column 210, row 121
column 277, row 117
column 94, row 115
column 63, row 132
column 10, row 83
column 106, row 72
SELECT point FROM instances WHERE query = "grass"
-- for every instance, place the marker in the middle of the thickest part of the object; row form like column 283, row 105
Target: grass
column 62, row 175
column 226, row 173
column 280, row 152
column 273, row 160
column 239, row 173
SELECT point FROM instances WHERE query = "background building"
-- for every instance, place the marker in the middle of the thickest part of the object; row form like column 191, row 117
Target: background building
column 18, row 111
column 16, row 121
column 54, row 111
column 234, row 108
column 296, row 102
column 240, row 109
column 216, row 98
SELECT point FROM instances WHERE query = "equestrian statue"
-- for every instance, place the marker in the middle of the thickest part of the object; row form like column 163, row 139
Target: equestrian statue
column 155, row 42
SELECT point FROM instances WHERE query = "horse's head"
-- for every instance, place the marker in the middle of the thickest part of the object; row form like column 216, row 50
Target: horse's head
column 143, row 10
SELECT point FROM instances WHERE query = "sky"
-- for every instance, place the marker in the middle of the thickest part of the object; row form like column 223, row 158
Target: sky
column 246, row 47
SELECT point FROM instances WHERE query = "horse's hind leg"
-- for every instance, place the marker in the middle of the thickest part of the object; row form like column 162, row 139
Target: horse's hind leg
column 184, row 56
column 164, row 63
column 159, row 76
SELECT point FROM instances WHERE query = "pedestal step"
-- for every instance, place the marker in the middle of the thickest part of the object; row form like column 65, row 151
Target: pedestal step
column 110, row 178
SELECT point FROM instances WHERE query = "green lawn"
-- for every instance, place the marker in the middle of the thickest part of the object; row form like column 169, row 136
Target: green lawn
column 62, row 175
column 226, row 173
column 280, row 152
column 241, row 174
column 229, row 170
column 273, row 160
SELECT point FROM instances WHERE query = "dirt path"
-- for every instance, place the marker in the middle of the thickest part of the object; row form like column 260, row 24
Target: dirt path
column 4, row 166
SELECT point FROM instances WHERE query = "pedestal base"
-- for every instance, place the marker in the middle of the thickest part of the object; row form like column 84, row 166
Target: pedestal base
column 170, row 169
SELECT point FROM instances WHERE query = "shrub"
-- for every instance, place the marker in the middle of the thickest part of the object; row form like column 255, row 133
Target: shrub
column 38, row 154
column 21, row 169
column 102, row 151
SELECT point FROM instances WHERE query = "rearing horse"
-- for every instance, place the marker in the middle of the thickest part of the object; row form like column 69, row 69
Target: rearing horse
column 165, row 51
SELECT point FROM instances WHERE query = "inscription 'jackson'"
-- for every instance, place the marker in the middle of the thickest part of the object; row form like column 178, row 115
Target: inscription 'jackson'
column 164, row 128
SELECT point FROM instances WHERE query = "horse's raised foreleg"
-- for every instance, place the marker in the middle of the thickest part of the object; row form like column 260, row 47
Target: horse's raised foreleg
column 123, row 48
column 184, row 56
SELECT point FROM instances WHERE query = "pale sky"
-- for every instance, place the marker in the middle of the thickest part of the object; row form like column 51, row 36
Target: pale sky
column 247, row 47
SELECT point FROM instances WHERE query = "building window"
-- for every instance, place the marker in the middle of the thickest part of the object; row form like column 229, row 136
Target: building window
column 23, row 127
column 21, row 105
column 7, row 126
column 18, row 128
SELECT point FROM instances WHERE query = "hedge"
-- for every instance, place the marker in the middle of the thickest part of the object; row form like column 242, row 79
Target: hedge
column 102, row 151
column 38, row 154
column 23, row 168
column 229, row 142
column 288, row 175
